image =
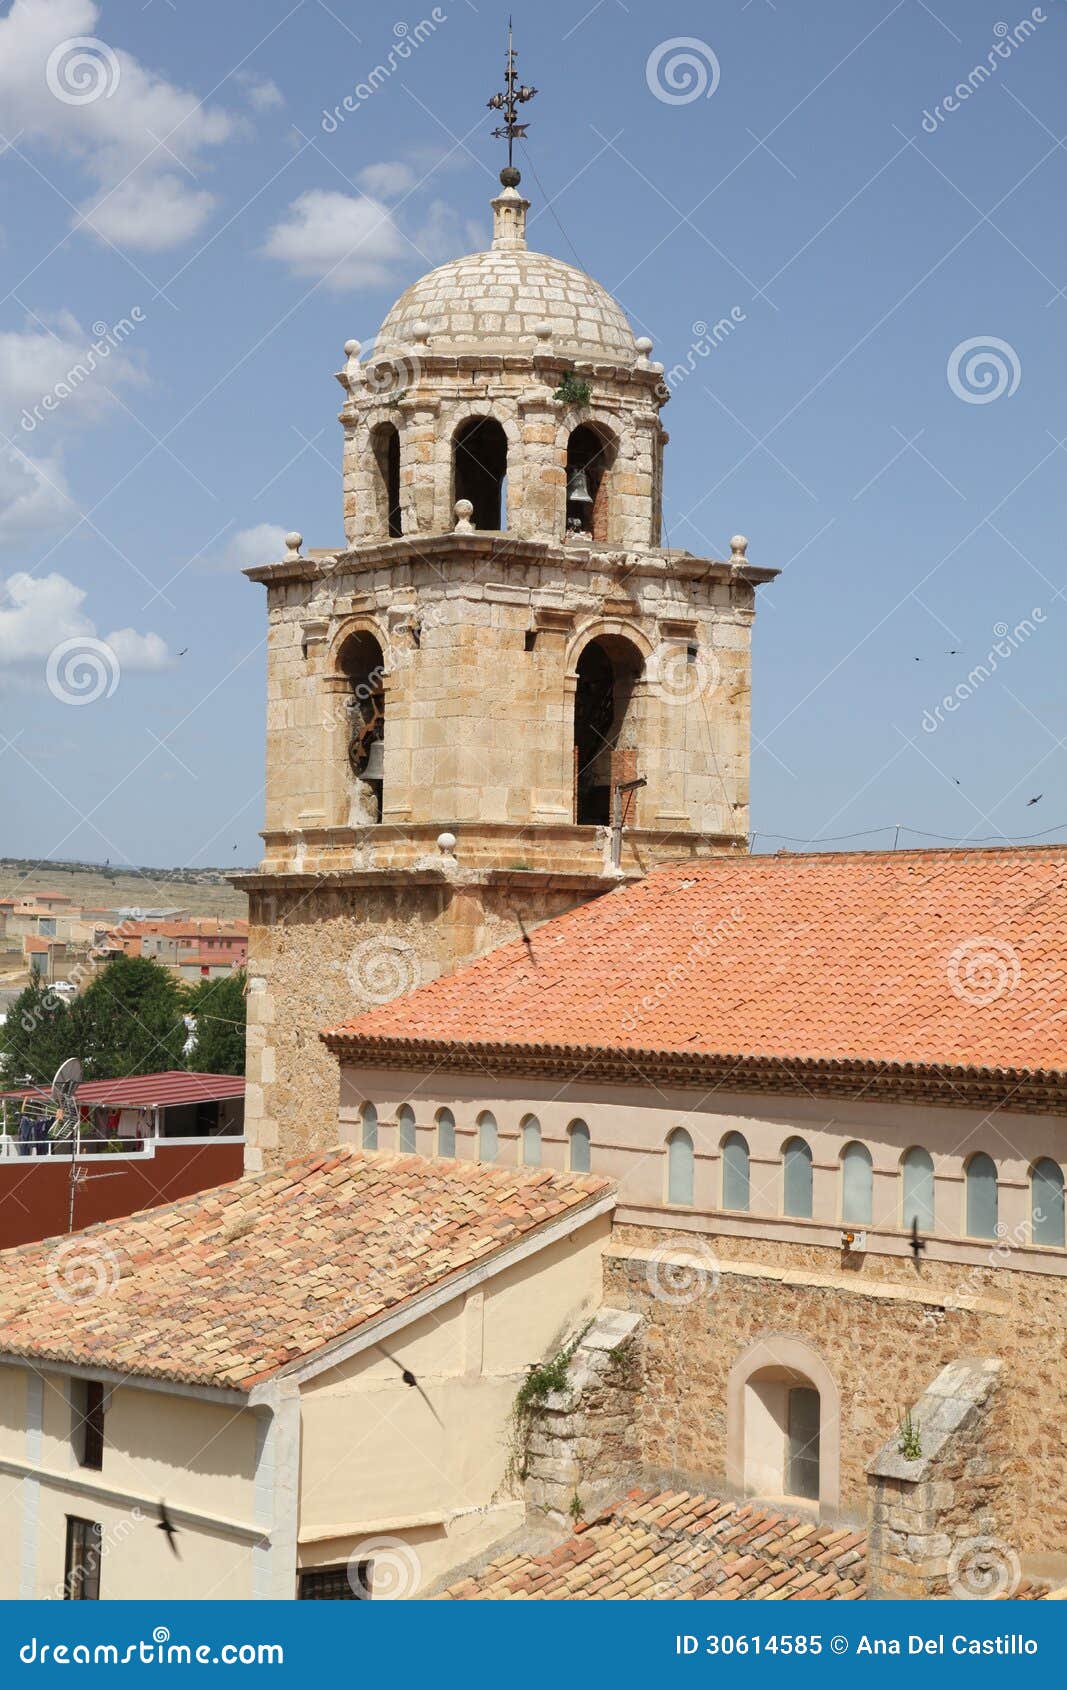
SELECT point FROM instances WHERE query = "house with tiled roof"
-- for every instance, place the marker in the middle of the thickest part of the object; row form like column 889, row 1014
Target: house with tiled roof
column 832, row 1093
column 315, row 1368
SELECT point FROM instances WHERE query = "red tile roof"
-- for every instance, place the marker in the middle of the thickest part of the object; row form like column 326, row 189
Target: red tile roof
column 679, row 1545
column 176, row 1086
column 226, row 1287
column 946, row 958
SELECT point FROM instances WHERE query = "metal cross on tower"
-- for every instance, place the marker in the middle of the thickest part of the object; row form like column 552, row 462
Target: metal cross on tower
column 515, row 94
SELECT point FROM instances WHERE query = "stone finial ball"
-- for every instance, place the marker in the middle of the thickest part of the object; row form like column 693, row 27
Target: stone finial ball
column 464, row 509
column 420, row 332
column 352, row 348
column 644, row 345
column 294, row 541
column 543, row 331
column 509, row 177
column 446, row 843
column 739, row 545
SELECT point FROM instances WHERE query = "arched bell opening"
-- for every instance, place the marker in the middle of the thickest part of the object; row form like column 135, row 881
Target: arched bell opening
column 590, row 456
column 605, row 727
column 362, row 664
column 480, row 470
column 385, row 449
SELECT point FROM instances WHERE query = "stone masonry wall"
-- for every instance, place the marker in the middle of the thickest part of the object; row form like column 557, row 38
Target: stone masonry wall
column 583, row 1438
column 942, row 1521
column 881, row 1335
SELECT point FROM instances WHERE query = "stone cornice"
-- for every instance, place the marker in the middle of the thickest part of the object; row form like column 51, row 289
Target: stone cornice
column 1024, row 1091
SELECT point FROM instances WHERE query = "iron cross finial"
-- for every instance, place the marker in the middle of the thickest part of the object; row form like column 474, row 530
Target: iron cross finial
column 515, row 94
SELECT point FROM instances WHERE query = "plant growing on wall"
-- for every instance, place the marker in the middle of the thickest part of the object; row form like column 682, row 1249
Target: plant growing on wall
column 542, row 1381
column 910, row 1445
column 573, row 391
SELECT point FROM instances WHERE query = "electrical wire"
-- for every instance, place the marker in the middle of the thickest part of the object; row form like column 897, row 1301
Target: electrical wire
column 900, row 827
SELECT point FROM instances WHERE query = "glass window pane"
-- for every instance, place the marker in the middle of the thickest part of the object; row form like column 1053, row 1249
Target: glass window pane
column 981, row 1197
column 487, row 1137
column 857, row 1185
column 802, row 1448
column 680, row 1167
column 531, row 1142
column 917, row 1178
column 734, row 1172
column 796, row 1179
column 370, row 1127
column 580, row 1158
column 405, row 1120
column 446, row 1133
column 1046, row 1203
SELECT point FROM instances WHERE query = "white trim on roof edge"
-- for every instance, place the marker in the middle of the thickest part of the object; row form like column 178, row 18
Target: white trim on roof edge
column 373, row 1332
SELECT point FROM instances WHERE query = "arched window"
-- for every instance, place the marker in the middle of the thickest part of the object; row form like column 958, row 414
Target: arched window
column 362, row 663
column 385, row 450
column 589, row 458
column 405, row 1135
column 917, row 1190
column 857, row 1185
column 1046, row 1203
column 735, row 1172
column 480, row 468
column 531, row 1142
column 981, row 1184
column 680, row 1167
column 446, row 1133
column 579, row 1156
column 605, row 729
column 369, row 1119
column 488, row 1137
column 796, row 1179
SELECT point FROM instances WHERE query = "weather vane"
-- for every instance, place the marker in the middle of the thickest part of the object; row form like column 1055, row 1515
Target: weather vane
column 515, row 94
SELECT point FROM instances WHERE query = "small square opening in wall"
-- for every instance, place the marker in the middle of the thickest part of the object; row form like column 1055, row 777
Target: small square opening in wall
column 692, row 652
column 336, row 1584
column 530, row 642
column 88, row 1404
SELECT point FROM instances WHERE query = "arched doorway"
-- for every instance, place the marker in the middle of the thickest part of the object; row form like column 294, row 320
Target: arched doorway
column 362, row 664
column 783, row 1424
column 590, row 455
column 605, row 729
column 479, row 470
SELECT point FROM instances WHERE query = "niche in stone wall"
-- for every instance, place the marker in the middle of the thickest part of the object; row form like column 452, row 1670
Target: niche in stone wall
column 606, row 746
column 480, row 470
column 385, row 451
column 362, row 663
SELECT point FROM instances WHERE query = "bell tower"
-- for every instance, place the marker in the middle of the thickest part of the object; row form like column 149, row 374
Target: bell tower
column 500, row 697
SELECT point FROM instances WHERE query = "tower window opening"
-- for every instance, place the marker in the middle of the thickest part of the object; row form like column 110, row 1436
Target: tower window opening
column 363, row 665
column 480, row 469
column 605, row 734
column 385, row 445
column 589, row 458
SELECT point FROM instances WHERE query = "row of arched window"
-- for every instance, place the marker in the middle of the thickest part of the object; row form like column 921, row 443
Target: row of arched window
column 981, row 1187
column 480, row 474
column 917, row 1200
column 578, row 1139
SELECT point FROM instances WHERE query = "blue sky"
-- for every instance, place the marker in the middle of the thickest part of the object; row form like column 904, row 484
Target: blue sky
column 883, row 418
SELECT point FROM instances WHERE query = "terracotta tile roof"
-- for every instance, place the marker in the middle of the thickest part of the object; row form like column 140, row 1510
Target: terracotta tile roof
column 679, row 1545
column 670, row 1545
column 226, row 1287
column 913, row 957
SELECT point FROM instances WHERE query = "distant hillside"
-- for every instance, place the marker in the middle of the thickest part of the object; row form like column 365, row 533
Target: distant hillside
column 201, row 891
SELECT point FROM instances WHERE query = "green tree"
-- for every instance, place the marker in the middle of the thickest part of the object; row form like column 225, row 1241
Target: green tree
column 219, row 1009
column 130, row 1019
column 37, row 1036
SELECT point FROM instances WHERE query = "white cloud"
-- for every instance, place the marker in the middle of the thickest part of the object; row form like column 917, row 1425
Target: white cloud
column 261, row 93
column 34, row 499
column 264, row 543
column 63, row 86
column 149, row 212
column 388, row 179
column 39, row 613
column 340, row 239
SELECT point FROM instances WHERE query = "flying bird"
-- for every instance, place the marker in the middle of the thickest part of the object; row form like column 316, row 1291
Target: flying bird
column 183, row 651
column 918, row 1245
column 166, row 1524
column 1036, row 800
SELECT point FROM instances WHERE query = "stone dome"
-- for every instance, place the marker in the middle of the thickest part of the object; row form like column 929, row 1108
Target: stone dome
column 509, row 300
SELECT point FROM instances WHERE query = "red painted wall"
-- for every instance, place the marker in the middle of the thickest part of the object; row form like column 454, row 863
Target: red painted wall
column 35, row 1190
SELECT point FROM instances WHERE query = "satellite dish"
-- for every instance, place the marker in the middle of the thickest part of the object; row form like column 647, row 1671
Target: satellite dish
column 68, row 1075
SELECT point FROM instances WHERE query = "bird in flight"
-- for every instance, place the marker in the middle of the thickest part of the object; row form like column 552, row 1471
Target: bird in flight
column 166, row 1525
column 918, row 1245
column 1036, row 800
